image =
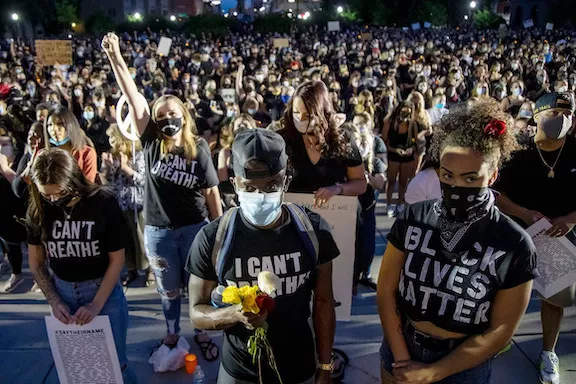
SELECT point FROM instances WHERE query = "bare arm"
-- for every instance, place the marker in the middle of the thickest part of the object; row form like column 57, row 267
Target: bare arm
column 508, row 308
column 202, row 314
column 377, row 181
column 223, row 157
column 136, row 101
column 509, row 207
column 239, row 77
column 390, row 270
column 213, row 202
column 37, row 261
column 356, row 184
column 110, row 278
column 324, row 313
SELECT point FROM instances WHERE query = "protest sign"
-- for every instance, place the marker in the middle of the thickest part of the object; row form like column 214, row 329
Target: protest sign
column 164, row 46
column 415, row 26
column 549, row 26
column 528, row 23
column 281, row 43
column 366, row 36
column 333, row 26
column 51, row 52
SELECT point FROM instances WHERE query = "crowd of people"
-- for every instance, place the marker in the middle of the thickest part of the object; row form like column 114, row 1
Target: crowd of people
column 228, row 123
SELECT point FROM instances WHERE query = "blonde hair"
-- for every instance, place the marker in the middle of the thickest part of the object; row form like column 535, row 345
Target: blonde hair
column 228, row 133
column 189, row 132
column 122, row 144
column 365, row 103
column 365, row 139
column 420, row 114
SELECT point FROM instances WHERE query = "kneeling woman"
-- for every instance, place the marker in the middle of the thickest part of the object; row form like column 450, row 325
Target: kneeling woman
column 457, row 273
column 79, row 228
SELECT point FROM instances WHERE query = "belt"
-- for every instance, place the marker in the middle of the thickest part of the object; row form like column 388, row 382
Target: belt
column 429, row 342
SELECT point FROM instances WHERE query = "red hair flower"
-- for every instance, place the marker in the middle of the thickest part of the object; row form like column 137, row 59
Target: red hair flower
column 495, row 128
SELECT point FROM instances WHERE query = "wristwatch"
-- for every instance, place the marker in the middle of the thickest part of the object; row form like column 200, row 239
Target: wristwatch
column 326, row 367
column 341, row 186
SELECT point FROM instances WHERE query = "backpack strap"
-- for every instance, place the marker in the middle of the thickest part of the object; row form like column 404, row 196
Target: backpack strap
column 224, row 236
column 305, row 229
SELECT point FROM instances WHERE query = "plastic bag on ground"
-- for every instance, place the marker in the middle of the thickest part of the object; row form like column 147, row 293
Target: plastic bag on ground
column 165, row 359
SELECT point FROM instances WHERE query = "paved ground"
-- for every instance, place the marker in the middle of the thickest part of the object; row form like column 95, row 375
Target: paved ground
column 25, row 356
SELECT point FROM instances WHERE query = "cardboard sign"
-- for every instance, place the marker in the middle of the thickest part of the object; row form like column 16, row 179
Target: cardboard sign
column 549, row 26
column 228, row 95
column 51, row 52
column 415, row 26
column 366, row 36
column 164, row 46
column 427, row 24
column 528, row 23
column 333, row 26
column 340, row 213
column 281, row 43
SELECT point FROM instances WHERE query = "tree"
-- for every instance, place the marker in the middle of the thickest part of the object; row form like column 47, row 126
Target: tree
column 434, row 12
column 99, row 23
column 486, row 19
column 66, row 12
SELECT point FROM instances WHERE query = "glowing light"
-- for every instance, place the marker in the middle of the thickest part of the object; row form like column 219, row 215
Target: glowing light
column 15, row 17
column 340, row 9
column 172, row 18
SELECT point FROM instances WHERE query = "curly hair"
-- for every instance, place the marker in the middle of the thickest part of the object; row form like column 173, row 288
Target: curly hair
column 464, row 127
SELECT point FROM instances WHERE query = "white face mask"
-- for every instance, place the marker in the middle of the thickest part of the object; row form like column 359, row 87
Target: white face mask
column 302, row 126
column 260, row 209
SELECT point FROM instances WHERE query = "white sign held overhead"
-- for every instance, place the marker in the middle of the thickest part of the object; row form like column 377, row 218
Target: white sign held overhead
column 549, row 26
column 427, row 24
column 333, row 26
column 415, row 26
column 339, row 212
column 84, row 353
column 164, row 46
column 528, row 23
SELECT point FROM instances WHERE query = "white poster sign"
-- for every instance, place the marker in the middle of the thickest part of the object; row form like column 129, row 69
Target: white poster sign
column 549, row 26
column 84, row 354
column 228, row 94
column 528, row 23
column 340, row 213
column 427, row 24
column 556, row 260
column 333, row 26
column 164, row 46
column 415, row 26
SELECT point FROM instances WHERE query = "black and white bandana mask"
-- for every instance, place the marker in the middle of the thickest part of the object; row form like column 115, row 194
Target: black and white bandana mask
column 170, row 126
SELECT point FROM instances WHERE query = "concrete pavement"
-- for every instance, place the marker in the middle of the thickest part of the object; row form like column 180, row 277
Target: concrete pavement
column 25, row 356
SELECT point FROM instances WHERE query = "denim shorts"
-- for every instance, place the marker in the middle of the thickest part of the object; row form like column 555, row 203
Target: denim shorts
column 78, row 294
column 478, row 375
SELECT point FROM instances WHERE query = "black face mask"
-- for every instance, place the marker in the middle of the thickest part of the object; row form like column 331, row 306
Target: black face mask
column 465, row 204
column 170, row 127
column 61, row 202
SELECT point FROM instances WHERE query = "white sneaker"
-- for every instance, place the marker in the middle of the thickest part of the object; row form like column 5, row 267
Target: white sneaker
column 13, row 283
column 390, row 212
column 549, row 366
column 35, row 288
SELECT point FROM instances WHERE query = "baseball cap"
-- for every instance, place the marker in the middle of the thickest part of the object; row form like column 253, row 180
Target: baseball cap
column 564, row 100
column 258, row 145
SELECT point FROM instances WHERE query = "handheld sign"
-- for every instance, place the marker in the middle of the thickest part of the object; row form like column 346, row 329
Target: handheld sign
column 549, row 26
column 415, row 26
column 164, row 46
column 427, row 24
column 333, row 26
column 51, row 52
column 281, row 43
column 528, row 23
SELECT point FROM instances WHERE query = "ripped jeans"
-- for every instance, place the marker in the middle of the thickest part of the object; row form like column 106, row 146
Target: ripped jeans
column 167, row 250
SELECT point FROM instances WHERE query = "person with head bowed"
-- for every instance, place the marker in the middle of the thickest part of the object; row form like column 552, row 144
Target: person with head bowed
column 539, row 183
column 181, row 191
column 79, row 229
column 457, row 274
column 266, row 234
column 325, row 160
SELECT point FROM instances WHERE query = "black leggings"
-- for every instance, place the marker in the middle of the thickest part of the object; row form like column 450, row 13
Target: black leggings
column 15, row 257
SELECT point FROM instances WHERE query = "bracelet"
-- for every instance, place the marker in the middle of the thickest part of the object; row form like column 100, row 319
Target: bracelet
column 327, row 367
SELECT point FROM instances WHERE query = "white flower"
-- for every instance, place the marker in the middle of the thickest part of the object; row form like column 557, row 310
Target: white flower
column 268, row 283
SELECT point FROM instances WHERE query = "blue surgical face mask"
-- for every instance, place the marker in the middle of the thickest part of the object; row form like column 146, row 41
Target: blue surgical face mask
column 59, row 143
column 260, row 209
column 88, row 115
column 439, row 105
column 251, row 111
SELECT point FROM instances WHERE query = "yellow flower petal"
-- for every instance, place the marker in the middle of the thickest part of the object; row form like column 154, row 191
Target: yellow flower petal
column 231, row 295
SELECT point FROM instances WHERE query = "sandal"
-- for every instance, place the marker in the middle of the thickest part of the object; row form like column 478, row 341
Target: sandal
column 207, row 347
column 130, row 277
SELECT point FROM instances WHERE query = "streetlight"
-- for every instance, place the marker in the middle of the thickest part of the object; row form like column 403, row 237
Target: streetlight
column 137, row 16
column 340, row 9
column 15, row 17
column 172, row 18
column 465, row 17
column 472, row 4
column 73, row 25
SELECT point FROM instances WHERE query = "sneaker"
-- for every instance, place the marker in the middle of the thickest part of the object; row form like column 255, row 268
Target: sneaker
column 390, row 212
column 368, row 282
column 13, row 283
column 35, row 288
column 549, row 366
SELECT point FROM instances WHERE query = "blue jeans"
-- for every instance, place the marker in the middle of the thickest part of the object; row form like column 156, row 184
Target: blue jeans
column 478, row 375
column 76, row 295
column 167, row 250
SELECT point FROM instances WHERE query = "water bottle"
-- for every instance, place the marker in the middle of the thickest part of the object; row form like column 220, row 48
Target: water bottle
column 216, row 297
column 199, row 376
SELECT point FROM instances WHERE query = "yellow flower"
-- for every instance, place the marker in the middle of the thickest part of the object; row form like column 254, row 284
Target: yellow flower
column 248, row 295
column 231, row 295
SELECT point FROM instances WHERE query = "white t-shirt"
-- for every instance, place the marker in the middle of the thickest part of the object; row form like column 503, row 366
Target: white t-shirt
column 436, row 114
column 424, row 186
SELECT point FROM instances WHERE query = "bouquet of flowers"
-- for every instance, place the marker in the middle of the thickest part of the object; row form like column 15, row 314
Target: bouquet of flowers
column 257, row 299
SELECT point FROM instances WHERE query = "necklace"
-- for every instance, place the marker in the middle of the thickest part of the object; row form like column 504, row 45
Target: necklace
column 551, row 172
column 67, row 214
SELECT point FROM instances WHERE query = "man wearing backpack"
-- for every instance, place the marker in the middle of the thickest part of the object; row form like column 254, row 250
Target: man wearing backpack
column 267, row 234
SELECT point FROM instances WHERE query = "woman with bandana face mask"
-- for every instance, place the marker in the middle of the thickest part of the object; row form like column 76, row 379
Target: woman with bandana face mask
column 429, row 337
column 182, row 190
column 85, row 260
column 62, row 130
column 325, row 162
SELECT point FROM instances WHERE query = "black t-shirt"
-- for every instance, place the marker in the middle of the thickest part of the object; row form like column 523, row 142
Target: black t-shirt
column 78, row 248
column 329, row 170
column 173, row 194
column 455, row 290
column 368, row 198
column 525, row 180
column 281, row 251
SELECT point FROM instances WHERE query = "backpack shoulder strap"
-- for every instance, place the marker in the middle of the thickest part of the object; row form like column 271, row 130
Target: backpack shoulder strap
column 223, row 240
column 305, row 229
